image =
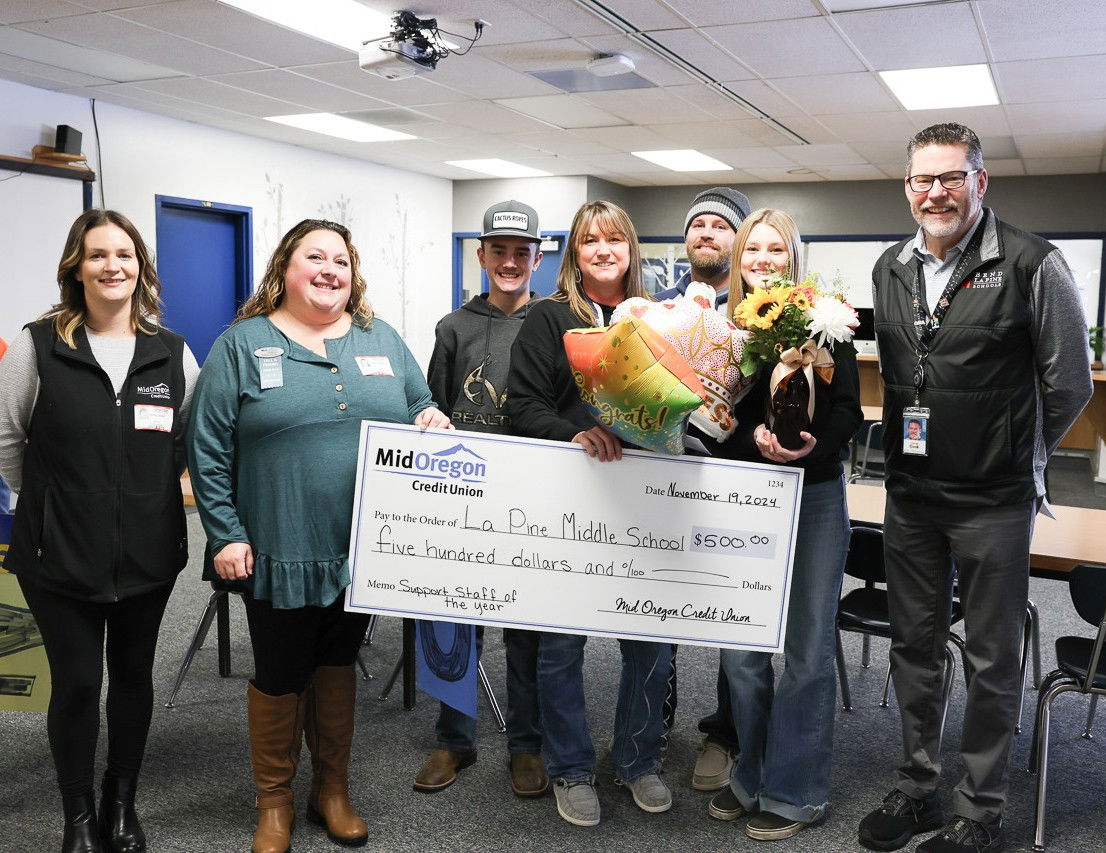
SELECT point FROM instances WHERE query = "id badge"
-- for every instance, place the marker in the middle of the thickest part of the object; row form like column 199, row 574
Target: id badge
column 374, row 365
column 269, row 367
column 157, row 418
column 915, row 431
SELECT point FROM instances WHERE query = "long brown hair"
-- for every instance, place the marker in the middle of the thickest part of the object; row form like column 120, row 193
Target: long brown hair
column 270, row 292
column 787, row 229
column 611, row 219
column 72, row 310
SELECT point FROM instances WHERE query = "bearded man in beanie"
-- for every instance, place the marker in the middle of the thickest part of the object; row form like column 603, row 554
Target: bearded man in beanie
column 709, row 230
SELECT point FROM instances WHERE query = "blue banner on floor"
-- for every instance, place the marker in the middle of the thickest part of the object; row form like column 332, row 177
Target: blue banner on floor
column 446, row 663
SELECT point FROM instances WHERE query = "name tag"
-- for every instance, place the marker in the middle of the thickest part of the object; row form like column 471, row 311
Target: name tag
column 158, row 418
column 269, row 366
column 374, row 365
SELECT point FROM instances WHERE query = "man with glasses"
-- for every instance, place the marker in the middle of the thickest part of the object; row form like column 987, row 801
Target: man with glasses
column 982, row 342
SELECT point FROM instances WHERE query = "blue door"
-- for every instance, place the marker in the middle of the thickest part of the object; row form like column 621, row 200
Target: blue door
column 205, row 263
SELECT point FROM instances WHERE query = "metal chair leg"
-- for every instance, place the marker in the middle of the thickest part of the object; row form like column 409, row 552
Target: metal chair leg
column 365, row 674
column 886, row 686
column 1090, row 717
column 493, row 703
column 865, row 650
column 198, row 637
column 1027, row 638
column 1034, row 618
column 946, row 687
column 843, row 679
column 1044, row 711
column 370, row 634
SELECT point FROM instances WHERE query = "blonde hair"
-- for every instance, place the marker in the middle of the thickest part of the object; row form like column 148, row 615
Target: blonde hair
column 610, row 219
column 788, row 231
column 270, row 292
column 72, row 310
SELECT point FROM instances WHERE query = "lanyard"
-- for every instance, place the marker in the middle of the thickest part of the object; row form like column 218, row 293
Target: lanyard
column 926, row 326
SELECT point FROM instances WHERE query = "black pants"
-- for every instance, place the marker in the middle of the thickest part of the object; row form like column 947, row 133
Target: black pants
column 288, row 645
column 73, row 632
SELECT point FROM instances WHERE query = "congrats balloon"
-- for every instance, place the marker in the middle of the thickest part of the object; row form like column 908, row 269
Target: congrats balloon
column 635, row 383
column 710, row 343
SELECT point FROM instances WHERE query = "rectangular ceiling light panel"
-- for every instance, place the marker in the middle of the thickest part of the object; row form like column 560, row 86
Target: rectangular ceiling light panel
column 345, row 23
column 683, row 160
column 942, row 88
column 331, row 124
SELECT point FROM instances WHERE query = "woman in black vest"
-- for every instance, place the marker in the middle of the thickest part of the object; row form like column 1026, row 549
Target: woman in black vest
column 93, row 400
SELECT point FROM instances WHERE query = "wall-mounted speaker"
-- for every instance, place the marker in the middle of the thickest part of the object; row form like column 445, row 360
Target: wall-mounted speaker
column 67, row 140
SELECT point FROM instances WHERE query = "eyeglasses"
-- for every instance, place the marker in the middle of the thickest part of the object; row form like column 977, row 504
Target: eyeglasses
column 949, row 180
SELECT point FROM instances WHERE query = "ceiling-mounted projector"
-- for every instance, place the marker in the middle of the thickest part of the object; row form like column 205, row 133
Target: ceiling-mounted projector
column 395, row 60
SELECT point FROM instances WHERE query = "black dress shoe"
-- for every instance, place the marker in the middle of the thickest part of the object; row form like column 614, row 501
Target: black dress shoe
column 119, row 827
column 81, row 834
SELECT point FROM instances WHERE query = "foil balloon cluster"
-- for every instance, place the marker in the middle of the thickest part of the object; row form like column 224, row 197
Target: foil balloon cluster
column 635, row 383
column 711, row 345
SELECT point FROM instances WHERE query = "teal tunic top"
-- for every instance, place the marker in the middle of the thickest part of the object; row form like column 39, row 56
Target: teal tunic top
column 276, row 466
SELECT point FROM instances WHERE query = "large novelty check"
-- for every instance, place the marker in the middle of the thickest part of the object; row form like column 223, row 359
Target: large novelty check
column 535, row 534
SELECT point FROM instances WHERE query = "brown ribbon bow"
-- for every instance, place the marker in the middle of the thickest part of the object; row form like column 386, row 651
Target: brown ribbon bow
column 810, row 359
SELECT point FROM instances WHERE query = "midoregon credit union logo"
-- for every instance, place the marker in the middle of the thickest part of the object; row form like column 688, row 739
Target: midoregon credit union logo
column 453, row 463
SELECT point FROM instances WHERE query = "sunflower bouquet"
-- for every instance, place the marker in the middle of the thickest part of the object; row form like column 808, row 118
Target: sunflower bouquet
column 793, row 327
column 784, row 315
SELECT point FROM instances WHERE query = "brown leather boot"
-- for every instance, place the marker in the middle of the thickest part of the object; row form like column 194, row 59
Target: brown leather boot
column 276, row 731
column 329, row 734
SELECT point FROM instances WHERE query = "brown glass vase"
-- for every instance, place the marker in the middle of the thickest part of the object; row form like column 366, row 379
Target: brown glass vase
column 787, row 410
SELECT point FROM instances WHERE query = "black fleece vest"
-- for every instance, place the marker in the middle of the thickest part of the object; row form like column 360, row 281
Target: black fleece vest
column 100, row 516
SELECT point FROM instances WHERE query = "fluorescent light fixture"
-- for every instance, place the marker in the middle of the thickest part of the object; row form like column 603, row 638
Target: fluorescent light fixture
column 942, row 88
column 684, row 160
column 331, row 124
column 345, row 23
column 499, row 168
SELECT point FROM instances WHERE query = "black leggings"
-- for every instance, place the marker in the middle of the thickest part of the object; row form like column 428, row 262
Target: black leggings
column 289, row 644
column 73, row 633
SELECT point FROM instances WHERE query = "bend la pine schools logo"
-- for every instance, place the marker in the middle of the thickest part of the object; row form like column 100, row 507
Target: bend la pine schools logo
column 988, row 280
column 450, row 468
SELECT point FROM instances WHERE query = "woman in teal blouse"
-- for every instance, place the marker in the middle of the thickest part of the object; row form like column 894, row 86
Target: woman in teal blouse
column 272, row 456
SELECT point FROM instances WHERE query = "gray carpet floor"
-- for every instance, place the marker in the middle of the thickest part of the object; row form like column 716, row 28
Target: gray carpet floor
column 196, row 792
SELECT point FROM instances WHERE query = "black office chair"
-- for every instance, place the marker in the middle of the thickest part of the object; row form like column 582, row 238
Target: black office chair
column 1081, row 668
column 868, row 452
column 865, row 611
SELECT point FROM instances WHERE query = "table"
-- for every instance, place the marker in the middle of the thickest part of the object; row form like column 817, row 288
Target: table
column 1076, row 535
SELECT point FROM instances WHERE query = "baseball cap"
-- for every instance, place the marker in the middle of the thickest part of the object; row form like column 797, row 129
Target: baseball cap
column 511, row 219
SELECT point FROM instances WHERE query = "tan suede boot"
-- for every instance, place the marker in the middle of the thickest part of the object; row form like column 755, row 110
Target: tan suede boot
column 276, row 732
column 328, row 731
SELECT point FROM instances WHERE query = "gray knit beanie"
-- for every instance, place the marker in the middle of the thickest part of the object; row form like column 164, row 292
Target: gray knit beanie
column 721, row 201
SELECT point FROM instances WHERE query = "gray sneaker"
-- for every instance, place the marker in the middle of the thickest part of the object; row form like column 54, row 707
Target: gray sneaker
column 650, row 793
column 712, row 767
column 577, row 801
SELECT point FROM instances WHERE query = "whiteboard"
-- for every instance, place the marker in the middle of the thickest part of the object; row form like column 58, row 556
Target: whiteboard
column 35, row 214
column 1085, row 259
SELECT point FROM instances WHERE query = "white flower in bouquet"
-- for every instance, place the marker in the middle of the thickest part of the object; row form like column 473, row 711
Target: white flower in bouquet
column 831, row 320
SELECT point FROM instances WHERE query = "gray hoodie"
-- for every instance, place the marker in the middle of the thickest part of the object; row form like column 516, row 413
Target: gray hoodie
column 469, row 365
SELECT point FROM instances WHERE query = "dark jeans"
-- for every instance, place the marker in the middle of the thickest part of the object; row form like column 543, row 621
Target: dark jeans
column 288, row 645
column 457, row 731
column 76, row 634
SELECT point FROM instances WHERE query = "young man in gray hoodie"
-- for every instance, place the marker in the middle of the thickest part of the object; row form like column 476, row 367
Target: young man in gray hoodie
column 468, row 378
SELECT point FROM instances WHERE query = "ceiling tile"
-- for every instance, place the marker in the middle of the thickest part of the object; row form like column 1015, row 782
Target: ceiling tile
column 904, row 38
column 50, row 76
column 999, row 148
column 238, row 32
column 886, row 153
column 1072, row 116
column 693, row 47
column 552, row 55
column 1061, row 165
column 206, row 91
column 485, row 79
column 783, row 176
column 567, row 18
column 711, row 14
column 98, row 63
column 646, row 14
column 315, row 96
column 1004, row 168
column 560, row 142
column 1070, row 144
column 563, row 111
column 628, row 138
column 489, row 117
column 820, row 49
column 765, row 98
column 19, row 11
column 820, row 155
column 697, row 135
column 1042, row 80
column 749, row 158
column 1028, row 29
column 508, row 22
column 649, row 65
column 870, row 127
column 114, row 35
column 863, row 172
column 412, row 92
column 711, row 101
column 646, row 106
column 985, row 121
column 835, row 94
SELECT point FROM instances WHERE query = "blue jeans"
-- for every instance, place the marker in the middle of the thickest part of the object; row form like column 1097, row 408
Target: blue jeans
column 718, row 725
column 638, row 718
column 457, row 731
column 787, row 737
